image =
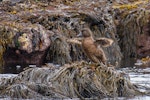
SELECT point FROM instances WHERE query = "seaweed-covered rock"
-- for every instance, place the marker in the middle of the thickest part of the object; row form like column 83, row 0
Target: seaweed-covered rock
column 143, row 43
column 28, row 44
column 76, row 80
column 131, row 18
column 35, row 19
column 121, row 21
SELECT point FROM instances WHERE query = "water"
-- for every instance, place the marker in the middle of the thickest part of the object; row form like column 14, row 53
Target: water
column 141, row 77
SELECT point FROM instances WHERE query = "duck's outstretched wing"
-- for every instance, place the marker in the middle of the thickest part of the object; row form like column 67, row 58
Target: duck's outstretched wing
column 75, row 41
column 105, row 42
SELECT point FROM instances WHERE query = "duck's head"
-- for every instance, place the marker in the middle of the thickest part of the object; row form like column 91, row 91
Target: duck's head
column 86, row 32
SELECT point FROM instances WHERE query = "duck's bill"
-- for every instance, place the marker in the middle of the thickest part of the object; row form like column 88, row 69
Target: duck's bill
column 79, row 35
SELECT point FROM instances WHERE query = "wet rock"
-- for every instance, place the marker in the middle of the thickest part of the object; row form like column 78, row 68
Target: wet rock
column 28, row 22
column 13, row 57
column 143, row 43
column 75, row 80
column 13, row 1
column 27, row 45
column 130, row 22
column 143, row 63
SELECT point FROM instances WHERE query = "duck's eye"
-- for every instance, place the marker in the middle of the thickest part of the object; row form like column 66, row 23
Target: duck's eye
column 83, row 32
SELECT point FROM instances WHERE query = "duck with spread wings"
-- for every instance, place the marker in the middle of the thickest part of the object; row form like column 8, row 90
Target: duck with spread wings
column 92, row 48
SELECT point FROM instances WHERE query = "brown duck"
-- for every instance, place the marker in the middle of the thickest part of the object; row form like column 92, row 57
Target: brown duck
column 92, row 47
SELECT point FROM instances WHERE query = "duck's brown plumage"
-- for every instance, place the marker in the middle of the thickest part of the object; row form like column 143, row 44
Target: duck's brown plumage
column 92, row 47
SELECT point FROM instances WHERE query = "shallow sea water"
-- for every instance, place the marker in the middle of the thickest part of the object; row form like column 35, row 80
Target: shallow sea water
column 141, row 77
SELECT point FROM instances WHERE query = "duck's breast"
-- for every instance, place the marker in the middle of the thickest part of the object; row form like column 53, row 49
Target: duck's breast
column 88, row 45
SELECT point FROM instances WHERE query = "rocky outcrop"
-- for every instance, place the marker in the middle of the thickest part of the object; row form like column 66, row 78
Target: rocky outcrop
column 28, row 45
column 14, row 57
column 76, row 80
column 34, row 26
column 31, row 25
column 32, row 31
column 143, row 43
column 130, row 19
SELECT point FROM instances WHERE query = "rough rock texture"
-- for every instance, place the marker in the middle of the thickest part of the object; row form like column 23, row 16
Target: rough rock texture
column 143, row 43
column 28, row 23
column 14, row 57
column 31, row 25
column 130, row 19
column 28, row 45
column 30, row 28
column 76, row 80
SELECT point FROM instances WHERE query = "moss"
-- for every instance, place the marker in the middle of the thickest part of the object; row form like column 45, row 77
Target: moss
column 132, row 5
column 5, row 38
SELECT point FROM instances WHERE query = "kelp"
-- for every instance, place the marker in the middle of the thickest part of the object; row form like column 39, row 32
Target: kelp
column 42, row 24
column 131, row 23
column 69, row 17
column 58, row 53
column 131, row 5
column 66, row 21
column 23, row 37
column 75, row 80
column 5, row 38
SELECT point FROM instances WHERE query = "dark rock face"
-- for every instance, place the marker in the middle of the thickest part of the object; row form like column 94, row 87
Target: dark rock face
column 143, row 46
column 27, row 46
column 143, row 43
column 13, row 57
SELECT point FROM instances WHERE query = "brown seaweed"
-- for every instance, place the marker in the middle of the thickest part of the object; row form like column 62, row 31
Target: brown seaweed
column 76, row 80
